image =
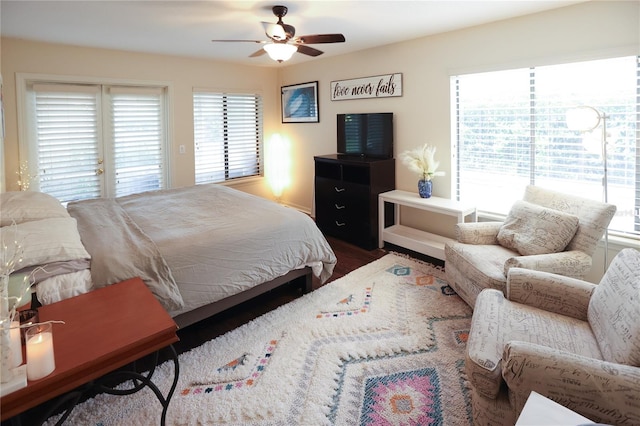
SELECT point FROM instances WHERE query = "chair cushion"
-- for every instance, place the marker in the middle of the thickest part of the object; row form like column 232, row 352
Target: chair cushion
column 531, row 229
column 497, row 321
column 614, row 310
column 482, row 264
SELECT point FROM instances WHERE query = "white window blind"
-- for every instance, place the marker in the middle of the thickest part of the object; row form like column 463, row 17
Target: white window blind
column 84, row 151
column 511, row 131
column 138, row 135
column 228, row 136
column 68, row 140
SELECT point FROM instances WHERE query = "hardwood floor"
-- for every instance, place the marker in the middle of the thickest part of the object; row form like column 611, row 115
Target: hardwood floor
column 349, row 258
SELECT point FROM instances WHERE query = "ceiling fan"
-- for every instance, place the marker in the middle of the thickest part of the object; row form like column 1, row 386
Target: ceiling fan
column 282, row 43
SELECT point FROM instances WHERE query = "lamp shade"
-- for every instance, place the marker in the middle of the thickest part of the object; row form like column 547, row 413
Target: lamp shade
column 583, row 118
column 280, row 51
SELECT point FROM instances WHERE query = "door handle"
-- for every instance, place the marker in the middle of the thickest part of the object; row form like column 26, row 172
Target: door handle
column 338, row 189
column 339, row 207
column 340, row 223
column 99, row 172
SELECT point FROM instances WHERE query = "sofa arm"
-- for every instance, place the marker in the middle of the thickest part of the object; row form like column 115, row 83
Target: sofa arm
column 478, row 232
column 601, row 391
column 550, row 292
column 572, row 263
column 485, row 345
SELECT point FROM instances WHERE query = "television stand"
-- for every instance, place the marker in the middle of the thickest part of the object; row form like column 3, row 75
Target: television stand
column 346, row 196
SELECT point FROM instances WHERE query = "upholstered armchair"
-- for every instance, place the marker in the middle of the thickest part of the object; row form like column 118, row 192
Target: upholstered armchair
column 546, row 231
column 572, row 341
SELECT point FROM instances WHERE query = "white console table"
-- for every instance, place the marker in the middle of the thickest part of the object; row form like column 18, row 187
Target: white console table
column 415, row 239
column 540, row 410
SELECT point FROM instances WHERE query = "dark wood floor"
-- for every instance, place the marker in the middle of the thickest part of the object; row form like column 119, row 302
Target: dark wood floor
column 349, row 258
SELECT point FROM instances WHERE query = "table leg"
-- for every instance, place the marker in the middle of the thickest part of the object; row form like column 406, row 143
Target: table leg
column 71, row 399
column 380, row 222
column 146, row 381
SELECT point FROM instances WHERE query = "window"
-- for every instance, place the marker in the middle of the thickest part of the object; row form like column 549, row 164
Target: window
column 511, row 131
column 91, row 140
column 227, row 136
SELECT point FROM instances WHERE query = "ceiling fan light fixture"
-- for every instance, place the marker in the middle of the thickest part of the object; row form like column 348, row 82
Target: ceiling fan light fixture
column 280, row 51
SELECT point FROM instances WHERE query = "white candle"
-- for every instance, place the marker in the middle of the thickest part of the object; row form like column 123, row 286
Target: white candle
column 40, row 360
column 16, row 344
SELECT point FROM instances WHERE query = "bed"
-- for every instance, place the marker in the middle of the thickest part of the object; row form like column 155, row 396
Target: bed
column 199, row 249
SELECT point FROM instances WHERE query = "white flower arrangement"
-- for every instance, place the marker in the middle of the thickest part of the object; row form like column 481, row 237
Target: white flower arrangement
column 422, row 161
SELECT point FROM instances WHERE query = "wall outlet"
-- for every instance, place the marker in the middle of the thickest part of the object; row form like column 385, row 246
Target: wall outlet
column 183, row 149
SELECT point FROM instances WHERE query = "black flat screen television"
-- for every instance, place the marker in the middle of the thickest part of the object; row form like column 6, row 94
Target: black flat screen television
column 366, row 135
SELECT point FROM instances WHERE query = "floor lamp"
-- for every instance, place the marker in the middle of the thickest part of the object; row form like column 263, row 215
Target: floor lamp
column 586, row 119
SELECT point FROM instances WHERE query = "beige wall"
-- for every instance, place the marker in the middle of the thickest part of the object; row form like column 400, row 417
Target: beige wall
column 183, row 74
column 422, row 114
column 588, row 30
column 584, row 31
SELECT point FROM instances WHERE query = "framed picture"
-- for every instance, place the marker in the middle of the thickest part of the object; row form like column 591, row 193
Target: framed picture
column 300, row 103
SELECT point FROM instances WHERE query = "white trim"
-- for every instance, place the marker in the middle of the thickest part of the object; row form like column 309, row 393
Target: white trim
column 23, row 80
column 169, row 129
column 105, row 81
column 195, row 89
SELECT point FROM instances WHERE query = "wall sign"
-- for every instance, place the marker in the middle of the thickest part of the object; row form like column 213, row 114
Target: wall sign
column 380, row 86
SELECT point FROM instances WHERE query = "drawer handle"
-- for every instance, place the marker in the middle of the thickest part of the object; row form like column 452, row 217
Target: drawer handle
column 340, row 223
column 339, row 207
column 338, row 189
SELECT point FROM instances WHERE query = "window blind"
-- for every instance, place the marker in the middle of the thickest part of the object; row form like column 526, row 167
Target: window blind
column 68, row 141
column 227, row 135
column 95, row 140
column 511, row 131
column 138, row 135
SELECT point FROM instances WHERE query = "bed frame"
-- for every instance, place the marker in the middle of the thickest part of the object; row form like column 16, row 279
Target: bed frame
column 191, row 317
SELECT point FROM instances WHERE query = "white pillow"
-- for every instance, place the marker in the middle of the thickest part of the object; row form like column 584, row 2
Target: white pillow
column 45, row 241
column 26, row 206
column 532, row 229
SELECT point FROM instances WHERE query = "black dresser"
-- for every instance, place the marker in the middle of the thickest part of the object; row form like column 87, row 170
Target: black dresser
column 346, row 196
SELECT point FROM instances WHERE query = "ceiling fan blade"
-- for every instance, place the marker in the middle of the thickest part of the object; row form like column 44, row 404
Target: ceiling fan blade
column 275, row 32
column 257, row 53
column 239, row 41
column 320, row 38
column 307, row 50
column 290, row 30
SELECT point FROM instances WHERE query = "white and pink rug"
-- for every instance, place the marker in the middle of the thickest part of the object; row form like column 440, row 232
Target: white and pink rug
column 383, row 345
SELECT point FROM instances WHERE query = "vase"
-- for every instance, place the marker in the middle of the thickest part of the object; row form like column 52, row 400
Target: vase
column 424, row 188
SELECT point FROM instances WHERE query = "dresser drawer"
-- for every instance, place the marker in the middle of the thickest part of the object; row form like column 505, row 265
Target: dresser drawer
column 352, row 228
column 343, row 210
column 346, row 197
column 346, row 194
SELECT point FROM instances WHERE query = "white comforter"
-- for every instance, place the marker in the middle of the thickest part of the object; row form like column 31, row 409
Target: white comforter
column 218, row 241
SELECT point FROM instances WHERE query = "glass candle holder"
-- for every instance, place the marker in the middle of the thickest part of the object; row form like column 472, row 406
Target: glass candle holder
column 27, row 317
column 40, row 358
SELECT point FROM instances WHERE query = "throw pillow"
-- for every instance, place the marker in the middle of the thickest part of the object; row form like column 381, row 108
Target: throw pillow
column 25, row 206
column 532, row 229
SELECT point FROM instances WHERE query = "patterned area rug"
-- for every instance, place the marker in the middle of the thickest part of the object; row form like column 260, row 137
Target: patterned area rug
column 383, row 345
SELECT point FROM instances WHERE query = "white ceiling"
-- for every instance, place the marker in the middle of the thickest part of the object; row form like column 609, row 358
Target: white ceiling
column 184, row 27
